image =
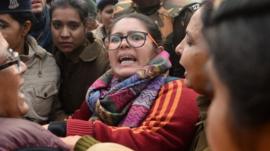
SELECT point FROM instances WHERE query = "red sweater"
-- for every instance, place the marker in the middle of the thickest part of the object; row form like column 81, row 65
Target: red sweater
column 169, row 125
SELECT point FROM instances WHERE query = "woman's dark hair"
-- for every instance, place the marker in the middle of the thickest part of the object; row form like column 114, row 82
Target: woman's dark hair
column 237, row 34
column 81, row 6
column 152, row 28
column 22, row 17
column 103, row 3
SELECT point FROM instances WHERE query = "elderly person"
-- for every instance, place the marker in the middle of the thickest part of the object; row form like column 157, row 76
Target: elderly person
column 136, row 103
column 42, row 77
column 17, row 133
column 239, row 116
column 81, row 60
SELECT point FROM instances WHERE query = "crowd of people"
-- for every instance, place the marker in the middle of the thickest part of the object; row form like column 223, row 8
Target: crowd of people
column 123, row 75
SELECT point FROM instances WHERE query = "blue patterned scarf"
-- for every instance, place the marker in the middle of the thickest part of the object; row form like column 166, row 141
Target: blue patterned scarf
column 127, row 102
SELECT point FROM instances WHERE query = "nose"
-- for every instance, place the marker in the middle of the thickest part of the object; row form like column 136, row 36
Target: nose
column 65, row 32
column 179, row 48
column 124, row 43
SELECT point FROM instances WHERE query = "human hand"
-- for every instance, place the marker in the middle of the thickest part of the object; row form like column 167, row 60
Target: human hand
column 70, row 140
column 45, row 126
column 109, row 147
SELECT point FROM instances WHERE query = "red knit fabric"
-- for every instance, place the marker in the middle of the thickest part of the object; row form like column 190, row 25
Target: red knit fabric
column 168, row 127
column 79, row 127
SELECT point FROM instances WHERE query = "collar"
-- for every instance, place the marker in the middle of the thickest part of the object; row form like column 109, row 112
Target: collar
column 32, row 51
column 88, row 52
column 32, row 48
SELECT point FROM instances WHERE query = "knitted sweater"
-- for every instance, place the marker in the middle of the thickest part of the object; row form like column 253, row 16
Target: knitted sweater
column 169, row 125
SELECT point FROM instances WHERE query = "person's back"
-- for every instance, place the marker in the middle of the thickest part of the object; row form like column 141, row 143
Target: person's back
column 19, row 133
column 239, row 69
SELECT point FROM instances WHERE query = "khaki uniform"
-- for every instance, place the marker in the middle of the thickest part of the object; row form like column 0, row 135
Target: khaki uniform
column 163, row 17
column 199, row 142
column 171, row 21
column 100, row 33
column 41, row 81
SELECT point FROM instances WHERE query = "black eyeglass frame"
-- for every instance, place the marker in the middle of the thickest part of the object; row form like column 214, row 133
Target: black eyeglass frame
column 126, row 37
column 14, row 60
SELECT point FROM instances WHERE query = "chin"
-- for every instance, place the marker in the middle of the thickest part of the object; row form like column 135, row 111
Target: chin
column 187, row 83
column 23, row 107
column 65, row 50
column 125, row 73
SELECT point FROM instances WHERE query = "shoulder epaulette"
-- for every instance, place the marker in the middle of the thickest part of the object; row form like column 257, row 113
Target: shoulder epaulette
column 122, row 5
column 175, row 10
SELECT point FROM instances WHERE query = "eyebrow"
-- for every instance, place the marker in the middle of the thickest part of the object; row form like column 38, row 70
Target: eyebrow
column 131, row 31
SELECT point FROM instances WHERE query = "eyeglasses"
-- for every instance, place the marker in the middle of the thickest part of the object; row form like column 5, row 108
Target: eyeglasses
column 134, row 39
column 13, row 58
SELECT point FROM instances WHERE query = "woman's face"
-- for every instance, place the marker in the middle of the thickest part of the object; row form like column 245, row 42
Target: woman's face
column 68, row 30
column 12, row 100
column 218, row 130
column 126, row 60
column 13, row 32
column 194, row 54
column 106, row 15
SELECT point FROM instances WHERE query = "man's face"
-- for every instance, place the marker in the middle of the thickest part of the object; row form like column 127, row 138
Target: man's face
column 38, row 6
column 12, row 99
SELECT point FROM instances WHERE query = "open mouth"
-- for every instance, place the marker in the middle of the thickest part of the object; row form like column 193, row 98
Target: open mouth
column 127, row 60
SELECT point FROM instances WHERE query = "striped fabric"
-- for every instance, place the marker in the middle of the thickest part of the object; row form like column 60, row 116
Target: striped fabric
column 169, row 125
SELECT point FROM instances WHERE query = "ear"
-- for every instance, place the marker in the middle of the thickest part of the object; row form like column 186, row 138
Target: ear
column 26, row 27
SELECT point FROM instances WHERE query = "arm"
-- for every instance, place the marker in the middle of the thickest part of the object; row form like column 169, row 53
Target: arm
column 83, row 113
column 169, row 125
column 19, row 133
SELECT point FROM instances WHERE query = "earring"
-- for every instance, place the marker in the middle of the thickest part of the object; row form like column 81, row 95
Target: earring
column 160, row 48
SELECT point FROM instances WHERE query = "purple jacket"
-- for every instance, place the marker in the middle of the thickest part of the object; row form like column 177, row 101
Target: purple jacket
column 19, row 133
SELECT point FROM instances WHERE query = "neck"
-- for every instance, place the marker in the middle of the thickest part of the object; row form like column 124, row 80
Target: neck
column 74, row 55
column 21, row 48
